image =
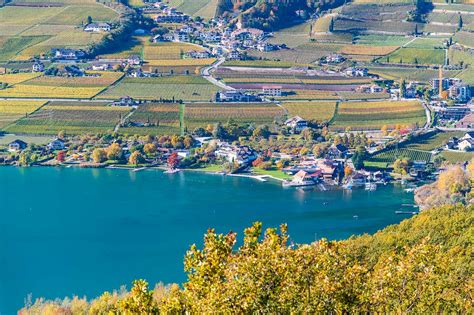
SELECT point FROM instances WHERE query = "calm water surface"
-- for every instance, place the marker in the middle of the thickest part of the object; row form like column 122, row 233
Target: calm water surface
column 83, row 231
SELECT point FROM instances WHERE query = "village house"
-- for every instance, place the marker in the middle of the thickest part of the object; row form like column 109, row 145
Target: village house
column 410, row 91
column 271, row 90
column 356, row 72
column 236, row 96
column 329, row 168
column 38, row 66
column 466, row 145
column 452, row 113
column 210, row 36
column 334, row 58
column 265, row 47
column 67, row 54
column 134, row 60
column 247, row 33
column 242, row 155
column 56, row 144
column 297, row 124
column 181, row 37
column 370, row 88
column 17, row 146
column 100, row 66
column 97, row 27
column 125, row 101
column 197, row 54
column 337, row 151
column 172, row 17
column 233, row 55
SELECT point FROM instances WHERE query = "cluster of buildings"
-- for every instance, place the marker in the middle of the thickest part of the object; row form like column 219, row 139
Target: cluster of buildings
column 242, row 96
column 454, row 87
column 465, row 143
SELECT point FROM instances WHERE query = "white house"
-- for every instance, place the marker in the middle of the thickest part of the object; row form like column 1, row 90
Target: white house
column 38, row 67
column 134, row 60
column 17, row 145
column 297, row 124
column 97, row 27
column 56, row 144
column 236, row 154
column 466, row 144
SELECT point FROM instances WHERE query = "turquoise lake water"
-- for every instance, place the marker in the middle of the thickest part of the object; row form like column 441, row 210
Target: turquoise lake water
column 84, row 231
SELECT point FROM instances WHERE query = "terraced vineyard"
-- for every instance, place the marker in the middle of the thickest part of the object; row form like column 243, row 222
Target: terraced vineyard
column 202, row 114
column 155, row 119
column 188, row 88
column 29, row 30
column 373, row 115
column 11, row 111
column 72, row 117
column 318, row 111
column 61, row 87
column 391, row 156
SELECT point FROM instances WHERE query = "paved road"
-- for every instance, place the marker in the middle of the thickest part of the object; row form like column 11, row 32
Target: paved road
column 54, row 99
column 206, row 74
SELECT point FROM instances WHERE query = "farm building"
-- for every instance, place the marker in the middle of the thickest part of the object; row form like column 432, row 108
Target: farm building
column 271, row 90
column 67, row 54
column 97, row 27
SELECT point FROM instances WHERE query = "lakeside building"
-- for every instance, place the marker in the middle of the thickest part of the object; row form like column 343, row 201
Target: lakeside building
column 242, row 155
column 17, row 146
column 56, row 144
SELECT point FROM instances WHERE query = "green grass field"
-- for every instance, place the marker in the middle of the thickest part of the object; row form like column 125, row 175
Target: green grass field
column 416, row 56
column 456, row 157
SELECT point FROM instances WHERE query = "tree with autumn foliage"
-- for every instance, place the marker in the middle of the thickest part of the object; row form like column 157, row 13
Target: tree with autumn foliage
column 173, row 160
column 61, row 157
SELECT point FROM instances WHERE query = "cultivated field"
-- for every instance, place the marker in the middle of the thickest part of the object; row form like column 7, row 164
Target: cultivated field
column 156, row 119
column 30, row 30
column 72, row 117
column 11, row 111
column 180, row 88
column 374, row 115
column 318, row 111
column 200, row 115
column 391, row 155
column 62, row 87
